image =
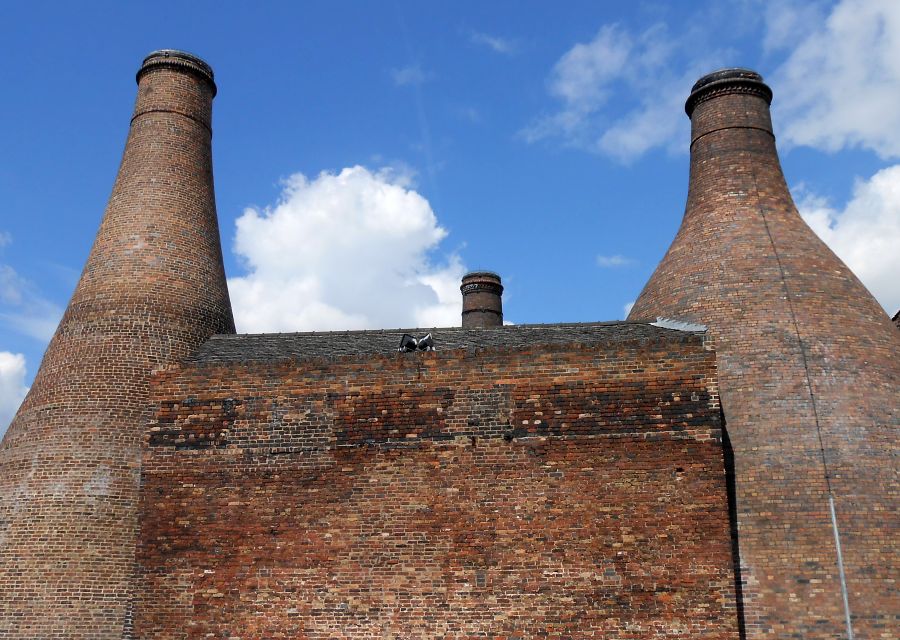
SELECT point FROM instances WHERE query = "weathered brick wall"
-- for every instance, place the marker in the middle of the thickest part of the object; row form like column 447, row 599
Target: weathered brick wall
column 152, row 290
column 810, row 381
column 555, row 491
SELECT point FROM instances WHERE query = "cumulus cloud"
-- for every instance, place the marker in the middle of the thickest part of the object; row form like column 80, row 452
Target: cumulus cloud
column 613, row 261
column 12, row 386
column 348, row 250
column 410, row 75
column 495, row 43
column 865, row 234
column 638, row 70
column 840, row 84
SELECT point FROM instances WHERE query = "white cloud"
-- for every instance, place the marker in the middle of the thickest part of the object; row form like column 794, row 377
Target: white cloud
column 788, row 22
column 627, row 308
column 581, row 80
column 613, row 261
column 840, row 84
column 470, row 114
column 5, row 239
column 10, row 285
column 639, row 70
column 22, row 307
column 496, row 43
column 12, row 386
column 410, row 75
column 865, row 234
column 350, row 250
column 837, row 86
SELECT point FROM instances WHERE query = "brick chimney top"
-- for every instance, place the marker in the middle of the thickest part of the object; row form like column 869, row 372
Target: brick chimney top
column 725, row 81
column 482, row 301
column 182, row 60
column 483, row 276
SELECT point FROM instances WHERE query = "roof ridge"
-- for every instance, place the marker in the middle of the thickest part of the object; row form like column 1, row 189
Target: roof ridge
column 508, row 327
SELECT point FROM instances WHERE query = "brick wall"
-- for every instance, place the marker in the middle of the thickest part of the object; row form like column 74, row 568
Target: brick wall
column 552, row 491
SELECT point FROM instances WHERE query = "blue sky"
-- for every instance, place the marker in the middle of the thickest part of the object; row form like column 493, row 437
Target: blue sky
column 367, row 154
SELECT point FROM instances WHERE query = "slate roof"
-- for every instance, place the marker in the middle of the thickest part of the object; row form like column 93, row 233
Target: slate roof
column 336, row 344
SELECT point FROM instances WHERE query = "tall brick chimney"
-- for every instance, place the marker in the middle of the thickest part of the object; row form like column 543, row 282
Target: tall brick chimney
column 153, row 289
column 809, row 375
column 482, row 300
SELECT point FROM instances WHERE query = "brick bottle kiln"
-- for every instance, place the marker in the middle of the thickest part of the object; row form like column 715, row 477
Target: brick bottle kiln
column 152, row 291
column 560, row 480
column 810, row 379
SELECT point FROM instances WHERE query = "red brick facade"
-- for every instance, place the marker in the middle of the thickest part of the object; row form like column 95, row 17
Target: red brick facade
column 809, row 373
column 152, row 290
column 558, row 491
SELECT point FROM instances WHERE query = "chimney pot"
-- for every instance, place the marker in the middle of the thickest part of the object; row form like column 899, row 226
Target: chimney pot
column 482, row 300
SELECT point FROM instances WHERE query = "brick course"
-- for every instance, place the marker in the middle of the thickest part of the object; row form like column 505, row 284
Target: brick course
column 556, row 491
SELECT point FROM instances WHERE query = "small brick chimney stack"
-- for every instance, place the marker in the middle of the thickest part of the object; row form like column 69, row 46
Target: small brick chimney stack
column 808, row 374
column 152, row 290
column 482, row 300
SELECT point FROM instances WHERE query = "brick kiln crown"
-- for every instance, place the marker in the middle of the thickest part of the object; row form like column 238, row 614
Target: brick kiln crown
column 178, row 60
column 727, row 81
